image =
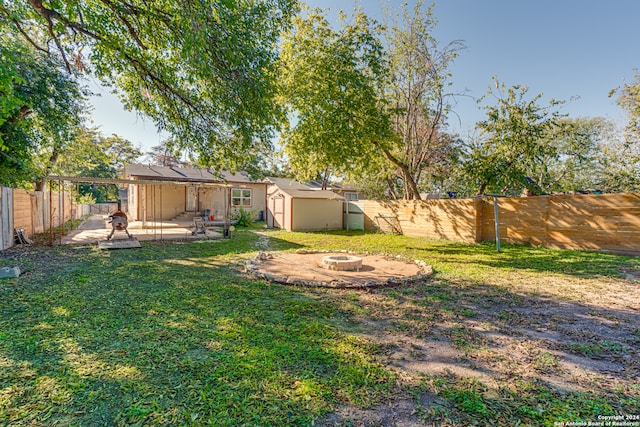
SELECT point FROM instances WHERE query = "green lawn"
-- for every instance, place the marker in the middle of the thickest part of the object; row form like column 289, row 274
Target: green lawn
column 177, row 334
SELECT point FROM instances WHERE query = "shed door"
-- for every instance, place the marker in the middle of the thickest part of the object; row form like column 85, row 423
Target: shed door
column 192, row 195
column 278, row 212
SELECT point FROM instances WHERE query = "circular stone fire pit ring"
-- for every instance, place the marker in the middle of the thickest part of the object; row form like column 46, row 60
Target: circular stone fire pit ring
column 342, row 263
column 305, row 268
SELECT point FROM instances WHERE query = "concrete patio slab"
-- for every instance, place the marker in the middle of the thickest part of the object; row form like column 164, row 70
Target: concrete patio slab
column 96, row 228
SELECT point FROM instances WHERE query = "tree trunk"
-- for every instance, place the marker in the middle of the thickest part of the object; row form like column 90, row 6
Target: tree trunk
column 482, row 189
column 40, row 182
column 411, row 187
column 325, row 178
column 392, row 190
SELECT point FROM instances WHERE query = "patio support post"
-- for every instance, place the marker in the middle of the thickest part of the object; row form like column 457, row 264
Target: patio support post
column 153, row 199
column 227, row 214
column 61, row 194
column 50, row 213
column 497, row 222
column 161, row 216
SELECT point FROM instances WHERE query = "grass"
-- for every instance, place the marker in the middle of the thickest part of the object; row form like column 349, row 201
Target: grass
column 175, row 334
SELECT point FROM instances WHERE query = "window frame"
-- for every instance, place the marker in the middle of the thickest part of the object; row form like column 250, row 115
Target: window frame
column 242, row 197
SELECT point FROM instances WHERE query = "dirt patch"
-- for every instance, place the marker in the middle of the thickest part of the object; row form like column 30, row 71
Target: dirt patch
column 306, row 268
column 449, row 335
column 398, row 413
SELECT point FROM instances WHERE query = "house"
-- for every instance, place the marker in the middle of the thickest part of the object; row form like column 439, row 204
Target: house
column 294, row 206
column 170, row 193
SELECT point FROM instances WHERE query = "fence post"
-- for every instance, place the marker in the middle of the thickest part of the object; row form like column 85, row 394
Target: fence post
column 6, row 218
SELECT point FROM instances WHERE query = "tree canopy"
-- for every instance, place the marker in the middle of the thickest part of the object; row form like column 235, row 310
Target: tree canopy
column 515, row 139
column 629, row 100
column 418, row 99
column 41, row 110
column 330, row 86
column 202, row 70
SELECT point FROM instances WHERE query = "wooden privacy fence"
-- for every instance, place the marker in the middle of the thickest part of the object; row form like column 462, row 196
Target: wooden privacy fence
column 35, row 212
column 608, row 222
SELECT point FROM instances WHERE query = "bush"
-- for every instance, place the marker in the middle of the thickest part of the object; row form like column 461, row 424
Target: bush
column 86, row 199
column 242, row 218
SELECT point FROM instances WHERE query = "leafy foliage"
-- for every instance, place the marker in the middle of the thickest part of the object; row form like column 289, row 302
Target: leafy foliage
column 627, row 150
column 202, row 70
column 242, row 218
column 629, row 100
column 41, row 110
column 419, row 102
column 577, row 162
column 330, row 82
column 92, row 154
column 360, row 110
column 516, row 139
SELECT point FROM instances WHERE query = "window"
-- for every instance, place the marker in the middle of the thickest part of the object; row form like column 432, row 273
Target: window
column 351, row 196
column 241, row 197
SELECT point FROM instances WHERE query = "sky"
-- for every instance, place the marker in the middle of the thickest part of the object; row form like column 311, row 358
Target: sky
column 571, row 50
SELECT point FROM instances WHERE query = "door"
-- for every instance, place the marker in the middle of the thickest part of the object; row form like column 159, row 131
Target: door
column 278, row 212
column 192, row 199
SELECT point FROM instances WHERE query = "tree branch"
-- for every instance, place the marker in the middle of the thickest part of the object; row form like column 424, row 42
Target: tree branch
column 50, row 15
column 22, row 31
column 132, row 31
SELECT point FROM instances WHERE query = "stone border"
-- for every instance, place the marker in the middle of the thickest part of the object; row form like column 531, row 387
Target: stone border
column 253, row 267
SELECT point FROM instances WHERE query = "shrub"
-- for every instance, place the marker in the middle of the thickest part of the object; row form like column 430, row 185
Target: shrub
column 242, row 218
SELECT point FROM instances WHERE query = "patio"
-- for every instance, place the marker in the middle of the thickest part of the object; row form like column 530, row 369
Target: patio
column 97, row 227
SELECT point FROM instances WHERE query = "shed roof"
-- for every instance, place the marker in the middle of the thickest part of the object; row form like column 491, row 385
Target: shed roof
column 312, row 194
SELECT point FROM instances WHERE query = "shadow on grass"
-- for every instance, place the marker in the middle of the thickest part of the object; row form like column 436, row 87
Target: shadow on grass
column 172, row 335
column 501, row 358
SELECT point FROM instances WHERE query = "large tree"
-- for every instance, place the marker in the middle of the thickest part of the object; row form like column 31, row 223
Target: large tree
column 93, row 154
column 624, row 153
column 330, row 85
column 574, row 163
column 514, row 139
column 419, row 98
column 201, row 69
column 629, row 99
column 362, row 110
column 41, row 110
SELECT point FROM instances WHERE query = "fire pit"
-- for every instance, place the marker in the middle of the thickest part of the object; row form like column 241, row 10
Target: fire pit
column 342, row 262
column 341, row 269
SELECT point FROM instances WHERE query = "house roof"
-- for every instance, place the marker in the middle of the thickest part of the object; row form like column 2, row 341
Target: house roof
column 312, row 194
column 185, row 174
column 287, row 183
column 333, row 186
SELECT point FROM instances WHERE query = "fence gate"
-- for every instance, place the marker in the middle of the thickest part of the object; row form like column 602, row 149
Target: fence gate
column 6, row 218
column 354, row 215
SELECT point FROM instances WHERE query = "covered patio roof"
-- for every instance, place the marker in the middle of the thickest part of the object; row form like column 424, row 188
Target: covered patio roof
column 95, row 180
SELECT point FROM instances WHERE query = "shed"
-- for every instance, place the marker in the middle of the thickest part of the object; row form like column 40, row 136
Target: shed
column 293, row 206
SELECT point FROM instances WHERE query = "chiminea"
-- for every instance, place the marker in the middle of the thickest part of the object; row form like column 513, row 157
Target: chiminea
column 119, row 222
